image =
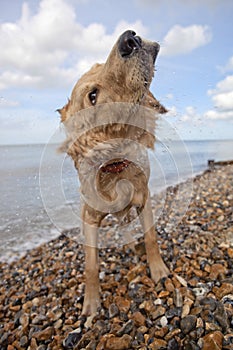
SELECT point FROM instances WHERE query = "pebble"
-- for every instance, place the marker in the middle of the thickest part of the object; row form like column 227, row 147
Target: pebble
column 41, row 294
column 188, row 323
column 118, row 343
column 213, row 341
column 157, row 344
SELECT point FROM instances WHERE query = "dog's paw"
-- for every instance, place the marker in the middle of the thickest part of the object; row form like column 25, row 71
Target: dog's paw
column 159, row 272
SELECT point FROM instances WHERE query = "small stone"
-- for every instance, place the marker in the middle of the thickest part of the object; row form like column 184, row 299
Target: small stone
column 163, row 321
column 228, row 340
column 216, row 254
column 33, row 344
column 118, row 343
column 54, row 314
column 169, row 285
column 138, row 318
column 24, row 341
column 113, row 310
column 185, row 310
column 123, row 304
column 201, row 290
column 15, row 308
column 45, row 334
column 213, row 341
column 24, row 320
column 188, row 323
column 147, row 305
column 226, row 288
column 200, row 323
column 209, row 303
column 178, row 299
column 163, row 294
column 147, row 281
column 72, row 339
column 221, row 316
column 210, row 327
column 216, row 270
column 143, row 329
column 181, row 280
column 126, row 328
column 172, row 334
column 159, row 311
column 36, row 302
column 39, row 319
column 58, row 324
column 10, row 347
column 230, row 252
column 161, row 332
column 221, row 218
column 173, row 344
column 158, row 344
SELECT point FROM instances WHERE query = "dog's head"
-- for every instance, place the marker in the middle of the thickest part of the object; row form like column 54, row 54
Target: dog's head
column 125, row 77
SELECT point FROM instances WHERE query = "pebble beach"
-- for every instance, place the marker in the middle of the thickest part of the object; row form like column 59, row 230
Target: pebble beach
column 41, row 294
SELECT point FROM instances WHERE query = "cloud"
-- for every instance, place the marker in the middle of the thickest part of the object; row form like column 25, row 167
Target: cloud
column 50, row 48
column 222, row 98
column 183, row 40
column 218, row 115
column 209, row 4
column 228, row 67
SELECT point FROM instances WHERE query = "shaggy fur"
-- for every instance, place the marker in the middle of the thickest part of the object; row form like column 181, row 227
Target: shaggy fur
column 110, row 120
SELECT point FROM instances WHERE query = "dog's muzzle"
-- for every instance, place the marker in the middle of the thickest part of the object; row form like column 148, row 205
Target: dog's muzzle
column 129, row 43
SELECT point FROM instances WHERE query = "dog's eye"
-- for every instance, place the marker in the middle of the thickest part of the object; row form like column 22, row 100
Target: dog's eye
column 93, row 96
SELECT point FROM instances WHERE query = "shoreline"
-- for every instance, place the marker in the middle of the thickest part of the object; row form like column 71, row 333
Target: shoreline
column 16, row 253
column 41, row 294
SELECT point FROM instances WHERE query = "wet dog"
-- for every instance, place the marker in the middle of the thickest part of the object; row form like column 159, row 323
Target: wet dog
column 109, row 121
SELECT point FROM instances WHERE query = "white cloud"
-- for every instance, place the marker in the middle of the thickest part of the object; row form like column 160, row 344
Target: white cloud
column 50, row 48
column 191, row 116
column 218, row 115
column 224, row 101
column 228, row 67
column 225, row 85
column 222, row 98
column 183, row 40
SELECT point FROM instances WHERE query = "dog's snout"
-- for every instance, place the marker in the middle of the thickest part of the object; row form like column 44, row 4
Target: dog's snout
column 128, row 43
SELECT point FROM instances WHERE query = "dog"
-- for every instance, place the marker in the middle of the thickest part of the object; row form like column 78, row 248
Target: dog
column 106, row 120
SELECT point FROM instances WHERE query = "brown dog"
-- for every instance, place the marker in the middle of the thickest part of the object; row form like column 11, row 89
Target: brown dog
column 109, row 121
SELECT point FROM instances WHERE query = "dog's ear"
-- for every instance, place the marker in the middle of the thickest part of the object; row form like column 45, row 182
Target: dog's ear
column 151, row 102
column 63, row 111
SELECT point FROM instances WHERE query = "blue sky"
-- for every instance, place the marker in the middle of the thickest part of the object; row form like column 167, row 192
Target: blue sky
column 47, row 44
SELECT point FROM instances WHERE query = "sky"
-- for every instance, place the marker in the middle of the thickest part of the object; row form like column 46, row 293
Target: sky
column 46, row 45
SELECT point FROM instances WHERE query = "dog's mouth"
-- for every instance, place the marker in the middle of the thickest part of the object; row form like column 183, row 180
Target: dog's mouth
column 129, row 43
column 116, row 166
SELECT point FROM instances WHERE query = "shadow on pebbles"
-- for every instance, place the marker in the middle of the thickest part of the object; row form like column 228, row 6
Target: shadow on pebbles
column 41, row 294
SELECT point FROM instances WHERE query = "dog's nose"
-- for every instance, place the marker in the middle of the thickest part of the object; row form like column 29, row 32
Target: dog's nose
column 129, row 42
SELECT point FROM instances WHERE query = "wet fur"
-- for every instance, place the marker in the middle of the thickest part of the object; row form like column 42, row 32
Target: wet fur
column 122, row 81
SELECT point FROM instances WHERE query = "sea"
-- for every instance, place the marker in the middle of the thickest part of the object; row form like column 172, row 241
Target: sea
column 40, row 189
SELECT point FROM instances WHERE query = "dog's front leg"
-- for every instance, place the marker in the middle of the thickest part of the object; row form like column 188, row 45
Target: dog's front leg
column 92, row 297
column 157, row 267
